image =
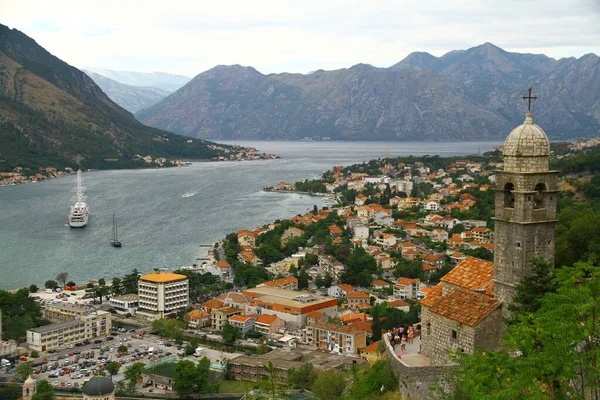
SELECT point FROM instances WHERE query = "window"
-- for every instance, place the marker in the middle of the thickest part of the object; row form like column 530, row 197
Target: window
column 454, row 335
column 509, row 198
column 518, row 244
column 538, row 197
column 428, row 328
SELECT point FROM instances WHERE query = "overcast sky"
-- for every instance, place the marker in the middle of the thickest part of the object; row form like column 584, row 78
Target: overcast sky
column 188, row 37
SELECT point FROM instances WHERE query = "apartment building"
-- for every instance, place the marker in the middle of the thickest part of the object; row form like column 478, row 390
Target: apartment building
column 218, row 316
column 162, row 293
column 62, row 312
column 335, row 338
column 406, row 288
column 63, row 334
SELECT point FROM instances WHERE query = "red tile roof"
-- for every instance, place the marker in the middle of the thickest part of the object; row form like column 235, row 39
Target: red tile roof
column 315, row 315
column 372, row 348
column 465, row 306
column 407, row 281
column 358, row 295
column 472, row 273
column 398, row 303
column 266, row 319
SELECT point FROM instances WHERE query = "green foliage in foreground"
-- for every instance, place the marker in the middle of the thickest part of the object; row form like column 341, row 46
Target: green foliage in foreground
column 555, row 349
column 19, row 313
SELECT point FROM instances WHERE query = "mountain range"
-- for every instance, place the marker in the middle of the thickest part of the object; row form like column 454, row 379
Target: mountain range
column 472, row 94
column 52, row 114
column 161, row 80
column 131, row 98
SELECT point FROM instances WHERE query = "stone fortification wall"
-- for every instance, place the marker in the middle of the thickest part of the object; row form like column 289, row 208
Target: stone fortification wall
column 416, row 382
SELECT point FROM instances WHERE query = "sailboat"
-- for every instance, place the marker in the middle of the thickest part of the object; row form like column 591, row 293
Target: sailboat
column 115, row 240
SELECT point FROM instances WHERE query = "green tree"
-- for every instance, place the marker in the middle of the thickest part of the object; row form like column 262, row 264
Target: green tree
column 373, row 380
column 19, row 313
column 554, row 350
column 229, row 333
column 33, row 288
column 34, row 354
column 102, row 282
column 122, row 349
column 43, row 390
column 193, row 378
column 133, row 374
column 303, row 279
column 185, row 380
column 376, row 324
column 301, row 378
column 531, row 289
column 23, row 370
column 117, row 286
column 113, row 368
column 329, row 385
column 50, row 284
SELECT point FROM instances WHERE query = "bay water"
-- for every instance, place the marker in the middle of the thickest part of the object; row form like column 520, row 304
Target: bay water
column 159, row 227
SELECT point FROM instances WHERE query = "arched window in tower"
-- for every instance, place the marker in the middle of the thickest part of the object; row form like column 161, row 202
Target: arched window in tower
column 509, row 197
column 540, row 194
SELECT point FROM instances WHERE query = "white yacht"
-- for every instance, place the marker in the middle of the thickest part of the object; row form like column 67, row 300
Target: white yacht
column 78, row 216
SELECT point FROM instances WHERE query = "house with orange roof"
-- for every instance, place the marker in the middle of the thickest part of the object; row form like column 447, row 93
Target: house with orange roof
column 455, row 241
column 356, row 298
column 289, row 233
column 400, row 305
column 218, row 316
column 384, row 261
column 234, row 299
column 284, row 186
column 461, row 311
column 351, row 317
column 344, row 339
column 385, row 239
column 482, row 234
column 431, row 205
column 268, row 324
column 246, row 238
column 428, row 269
column 371, row 352
column 438, row 235
column 394, row 201
column 410, row 254
column 407, row 288
column 378, row 284
column 315, row 316
column 341, row 290
column 196, row 319
column 456, row 257
column 334, row 231
column 224, row 268
column 248, row 256
column 211, row 304
column 243, row 323
column 437, row 260
column 360, row 199
column 289, row 283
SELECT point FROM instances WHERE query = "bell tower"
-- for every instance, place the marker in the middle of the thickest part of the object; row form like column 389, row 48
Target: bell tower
column 525, row 209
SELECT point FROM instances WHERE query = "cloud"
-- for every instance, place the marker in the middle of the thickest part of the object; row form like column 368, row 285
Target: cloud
column 188, row 37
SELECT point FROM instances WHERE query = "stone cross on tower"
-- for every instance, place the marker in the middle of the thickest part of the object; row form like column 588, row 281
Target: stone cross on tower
column 529, row 98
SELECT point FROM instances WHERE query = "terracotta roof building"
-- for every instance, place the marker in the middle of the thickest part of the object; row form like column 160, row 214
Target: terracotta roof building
column 460, row 311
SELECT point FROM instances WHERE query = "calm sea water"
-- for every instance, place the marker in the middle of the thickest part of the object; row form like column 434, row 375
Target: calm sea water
column 158, row 227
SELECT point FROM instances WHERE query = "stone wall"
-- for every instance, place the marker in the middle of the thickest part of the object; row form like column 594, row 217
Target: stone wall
column 416, row 382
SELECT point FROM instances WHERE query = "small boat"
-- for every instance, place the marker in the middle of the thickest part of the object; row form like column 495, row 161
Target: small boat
column 188, row 194
column 115, row 240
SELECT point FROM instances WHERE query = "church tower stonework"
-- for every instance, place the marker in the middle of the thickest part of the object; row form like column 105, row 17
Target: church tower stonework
column 525, row 209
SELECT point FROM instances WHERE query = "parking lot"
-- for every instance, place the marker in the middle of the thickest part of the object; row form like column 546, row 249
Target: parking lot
column 74, row 366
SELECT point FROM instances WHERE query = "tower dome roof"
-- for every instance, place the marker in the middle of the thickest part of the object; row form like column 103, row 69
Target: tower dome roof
column 527, row 140
column 98, row 386
column 29, row 381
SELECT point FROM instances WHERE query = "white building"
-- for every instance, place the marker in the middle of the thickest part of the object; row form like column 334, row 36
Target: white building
column 406, row 288
column 162, row 293
column 361, row 232
column 126, row 304
column 63, row 334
